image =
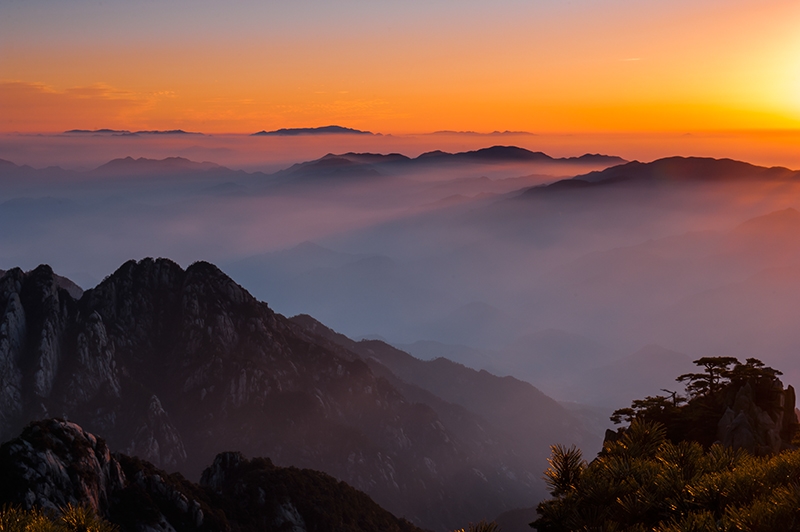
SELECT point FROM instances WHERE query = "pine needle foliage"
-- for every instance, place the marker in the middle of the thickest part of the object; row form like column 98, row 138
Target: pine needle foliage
column 69, row 519
column 695, row 416
column 481, row 526
column 645, row 482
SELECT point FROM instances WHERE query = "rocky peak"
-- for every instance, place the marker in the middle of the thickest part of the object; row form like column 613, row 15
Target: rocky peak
column 54, row 463
column 739, row 405
column 761, row 424
column 52, row 309
column 177, row 365
column 220, row 471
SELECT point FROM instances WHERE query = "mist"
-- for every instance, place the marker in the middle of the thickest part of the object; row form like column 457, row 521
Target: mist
column 483, row 260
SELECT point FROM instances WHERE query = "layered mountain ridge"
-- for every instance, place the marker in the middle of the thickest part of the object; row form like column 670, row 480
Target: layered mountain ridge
column 176, row 365
column 345, row 164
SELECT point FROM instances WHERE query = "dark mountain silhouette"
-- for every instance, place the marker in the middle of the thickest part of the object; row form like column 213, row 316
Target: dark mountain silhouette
column 54, row 463
column 672, row 169
column 511, row 154
column 11, row 170
column 494, row 153
column 167, row 132
column 327, row 168
column 374, row 158
column 372, row 164
column 688, row 169
column 332, row 168
column 476, row 133
column 142, row 166
column 515, row 410
column 125, row 132
column 325, row 130
column 98, row 131
column 177, row 365
column 67, row 284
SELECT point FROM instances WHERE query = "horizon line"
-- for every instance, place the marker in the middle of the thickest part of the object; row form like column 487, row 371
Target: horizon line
column 124, row 132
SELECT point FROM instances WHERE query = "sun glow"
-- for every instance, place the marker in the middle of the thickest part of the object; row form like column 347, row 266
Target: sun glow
column 548, row 67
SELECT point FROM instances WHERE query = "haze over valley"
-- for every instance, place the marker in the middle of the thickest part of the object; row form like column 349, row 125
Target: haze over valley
column 408, row 267
column 589, row 278
column 499, row 258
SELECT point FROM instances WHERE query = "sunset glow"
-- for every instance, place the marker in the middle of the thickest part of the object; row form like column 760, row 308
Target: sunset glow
column 397, row 68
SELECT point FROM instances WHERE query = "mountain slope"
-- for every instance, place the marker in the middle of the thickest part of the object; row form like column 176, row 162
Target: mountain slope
column 54, row 463
column 177, row 365
column 676, row 169
column 510, row 407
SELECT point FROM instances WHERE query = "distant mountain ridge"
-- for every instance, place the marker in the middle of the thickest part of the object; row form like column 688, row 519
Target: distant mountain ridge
column 125, row 132
column 142, row 165
column 513, row 153
column 346, row 165
column 125, row 166
column 478, row 133
column 375, row 164
column 324, row 130
column 672, row 169
column 494, row 398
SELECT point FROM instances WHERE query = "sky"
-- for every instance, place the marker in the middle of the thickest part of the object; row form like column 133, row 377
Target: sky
column 400, row 67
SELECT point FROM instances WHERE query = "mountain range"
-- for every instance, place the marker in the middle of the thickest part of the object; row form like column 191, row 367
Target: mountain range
column 324, row 130
column 641, row 254
column 346, row 164
column 175, row 366
column 127, row 133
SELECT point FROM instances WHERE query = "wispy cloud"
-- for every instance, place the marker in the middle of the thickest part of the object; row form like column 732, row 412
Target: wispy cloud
column 30, row 106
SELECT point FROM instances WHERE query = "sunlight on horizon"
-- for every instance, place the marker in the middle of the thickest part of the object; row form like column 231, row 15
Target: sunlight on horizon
column 544, row 68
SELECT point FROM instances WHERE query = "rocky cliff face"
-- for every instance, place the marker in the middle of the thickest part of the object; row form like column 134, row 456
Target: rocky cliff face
column 762, row 425
column 739, row 405
column 177, row 365
column 54, row 463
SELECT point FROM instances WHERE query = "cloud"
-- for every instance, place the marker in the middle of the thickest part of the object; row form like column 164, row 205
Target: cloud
column 27, row 106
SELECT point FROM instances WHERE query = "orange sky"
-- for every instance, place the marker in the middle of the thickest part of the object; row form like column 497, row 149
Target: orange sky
column 545, row 66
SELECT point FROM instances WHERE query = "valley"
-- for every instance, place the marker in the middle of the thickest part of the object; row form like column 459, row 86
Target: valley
column 421, row 328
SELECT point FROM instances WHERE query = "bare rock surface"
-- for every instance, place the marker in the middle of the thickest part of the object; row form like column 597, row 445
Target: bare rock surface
column 55, row 462
column 177, row 365
column 758, row 424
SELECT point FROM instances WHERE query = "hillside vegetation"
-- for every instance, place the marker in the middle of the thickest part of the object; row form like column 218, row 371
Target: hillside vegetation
column 666, row 471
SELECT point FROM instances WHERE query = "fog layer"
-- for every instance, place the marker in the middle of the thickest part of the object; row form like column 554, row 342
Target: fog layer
column 574, row 286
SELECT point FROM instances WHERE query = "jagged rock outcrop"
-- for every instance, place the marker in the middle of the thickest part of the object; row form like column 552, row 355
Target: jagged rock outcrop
column 13, row 334
column 55, row 462
column 157, row 439
column 761, row 425
column 734, row 404
column 270, row 493
column 177, row 365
